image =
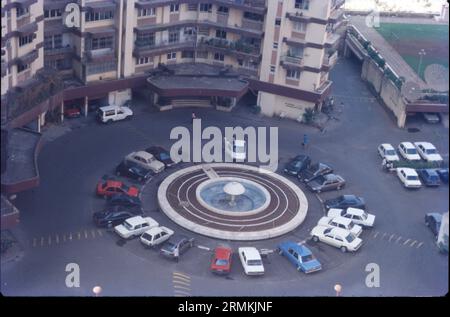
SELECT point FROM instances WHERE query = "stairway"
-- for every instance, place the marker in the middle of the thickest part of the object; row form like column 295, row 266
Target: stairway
column 184, row 103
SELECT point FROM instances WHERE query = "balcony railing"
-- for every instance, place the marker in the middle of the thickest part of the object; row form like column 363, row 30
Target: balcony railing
column 146, row 46
column 59, row 50
column 294, row 60
column 230, row 46
column 332, row 39
column 331, row 60
column 252, row 24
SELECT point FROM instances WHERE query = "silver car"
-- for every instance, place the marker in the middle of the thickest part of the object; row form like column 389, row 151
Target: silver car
column 326, row 182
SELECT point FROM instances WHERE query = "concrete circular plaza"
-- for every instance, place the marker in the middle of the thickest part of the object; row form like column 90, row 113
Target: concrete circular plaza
column 286, row 208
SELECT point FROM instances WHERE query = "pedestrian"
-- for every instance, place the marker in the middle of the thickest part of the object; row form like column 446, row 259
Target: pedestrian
column 384, row 164
column 305, row 141
column 331, row 102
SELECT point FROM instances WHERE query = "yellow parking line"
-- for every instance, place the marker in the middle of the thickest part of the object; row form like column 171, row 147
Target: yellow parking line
column 413, row 243
column 390, row 238
column 384, row 234
column 406, row 241
column 99, row 232
column 181, row 282
column 181, row 292
column 182, row 275
column 187, row 280
column 398, row 239
column 419, row 245
column 375, row 235
column 182, row 287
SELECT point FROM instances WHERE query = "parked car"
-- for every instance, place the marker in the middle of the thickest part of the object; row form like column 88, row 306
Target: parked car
column 236, row 149
column 341, row 222
column 336, row 237
column 443, row 174
column 114, row 216
column 110, row 114
column 133, row 171
column 429, row 177
column 113, row 187
column 356, row 215
column 156, row 235
column 300, row 256
column 251, row 261
column 388, row 152
column 345, row 201
column 145, row 160
column 124, row 200
column 408, row 151
column 314, row 170
column 428, row 152
column 409, row 177
column 431, row 117
column 326, row 182
column 161, row 155
column 135, row 226
column 221, row 260
column 72, row 112
column 176, row 246
column 297, row 164
column 433, row 221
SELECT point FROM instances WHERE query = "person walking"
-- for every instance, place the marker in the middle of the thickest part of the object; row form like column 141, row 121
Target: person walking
column 305, row 141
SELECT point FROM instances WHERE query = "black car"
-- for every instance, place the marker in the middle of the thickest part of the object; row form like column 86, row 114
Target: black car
column 429, row 177
column 313, row 171
column 161, row 154
column 115, row 215
column 176, row 246
column 297, row 164
column 345, row 201
column 133, row 171
column 124, row 200
column 433, row 221
column 443, row 174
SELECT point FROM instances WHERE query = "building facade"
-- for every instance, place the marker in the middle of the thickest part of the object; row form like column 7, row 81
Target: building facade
column 284, row 48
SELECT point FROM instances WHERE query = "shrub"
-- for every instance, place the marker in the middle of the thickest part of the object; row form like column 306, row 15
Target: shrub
column 308, row 116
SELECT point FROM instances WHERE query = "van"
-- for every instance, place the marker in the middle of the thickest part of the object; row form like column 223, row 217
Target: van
column 113, row 113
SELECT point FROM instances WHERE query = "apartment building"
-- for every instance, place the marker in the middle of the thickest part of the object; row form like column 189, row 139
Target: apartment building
column 283, row 48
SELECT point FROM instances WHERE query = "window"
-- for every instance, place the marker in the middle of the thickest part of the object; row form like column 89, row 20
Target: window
column 102, row 42
column 145, row 39
column 96, row 16
column 20, row 11
column 293, row 74
column 247, row 64
column 272, row 69
column 189, row 31
column 221, row 34
column 300, row 27
column 302, row 4
column 144, row 60
column 192, row 6
column 23, row 40
column 277, row 22
column 202, row 54
column 22, row 67
column 174, row 36
column 51, row 42
column 53, row 13
column 275, row 45
column 253, row 16
column 223, row 10
column 295, row 51
column 146, row 12
column 174, row 7
column 187, row 54
column 205, row 7
column 219, row 57
column 172, row 55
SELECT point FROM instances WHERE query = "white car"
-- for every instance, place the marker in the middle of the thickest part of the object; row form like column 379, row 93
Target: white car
column 236, row 149
column 387, row 152
column 340, row 222
column 408, row 151
column 156, row 235
column 145, row 160
column 135, row 226
column 428, row 152
column 336, row 237
column 113, row 113
column 409, row 177
column 358, row 216
column 251, row 261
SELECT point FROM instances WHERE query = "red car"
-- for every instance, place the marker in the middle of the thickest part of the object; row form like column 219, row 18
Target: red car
column 112, row 187
column 72, row 112
column 221, row 261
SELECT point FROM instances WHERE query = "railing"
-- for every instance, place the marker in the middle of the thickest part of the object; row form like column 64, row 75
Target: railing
column 59, row 50
column 296, row 60
column 331, row 60
column 145, row 45
column 252, row 24
column 238, row 46
column 332, row 38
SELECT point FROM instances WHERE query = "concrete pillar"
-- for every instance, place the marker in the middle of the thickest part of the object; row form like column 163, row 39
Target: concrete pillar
column 155, row 98
column 401, row 120
column 86, row 104
column 62, row 111
column 233, row 102
column 39, row 124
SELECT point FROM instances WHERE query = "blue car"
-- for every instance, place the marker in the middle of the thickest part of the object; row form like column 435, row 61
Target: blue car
column 429, row 177
column 443, row 174
column 300, row 256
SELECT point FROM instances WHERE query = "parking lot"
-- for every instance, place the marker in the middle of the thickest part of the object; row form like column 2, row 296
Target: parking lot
column 56, row 218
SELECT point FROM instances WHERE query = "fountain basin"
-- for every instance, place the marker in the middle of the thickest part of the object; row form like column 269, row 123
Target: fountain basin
column 211, row 195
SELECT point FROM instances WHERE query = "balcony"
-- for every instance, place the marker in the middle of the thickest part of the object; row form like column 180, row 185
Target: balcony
column 336, row 15
column 252, row 24
column 238, row 48
column 332, row 39
column 331, row 60
column 145, row 48
column 292, row 61
column 59, row 50
column 99, row 55
column 324, row 86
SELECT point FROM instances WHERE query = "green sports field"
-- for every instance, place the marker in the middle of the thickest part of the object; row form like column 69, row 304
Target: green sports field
column 409, row 39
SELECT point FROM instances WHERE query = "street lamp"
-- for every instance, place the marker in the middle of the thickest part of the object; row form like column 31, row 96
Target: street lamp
column 422, row 53
column 338, row 289
column 97, row 290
